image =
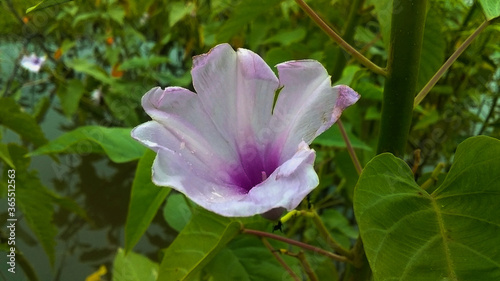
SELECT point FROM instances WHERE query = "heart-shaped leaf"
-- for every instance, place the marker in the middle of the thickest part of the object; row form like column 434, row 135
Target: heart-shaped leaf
column 450, row 234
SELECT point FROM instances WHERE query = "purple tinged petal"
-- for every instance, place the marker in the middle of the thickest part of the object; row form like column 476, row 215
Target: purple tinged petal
column 308, row 104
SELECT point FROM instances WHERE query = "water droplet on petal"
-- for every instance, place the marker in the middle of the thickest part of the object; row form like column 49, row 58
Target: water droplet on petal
column 183, row 145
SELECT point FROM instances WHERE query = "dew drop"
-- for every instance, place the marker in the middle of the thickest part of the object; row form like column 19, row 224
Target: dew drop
column 183, row 145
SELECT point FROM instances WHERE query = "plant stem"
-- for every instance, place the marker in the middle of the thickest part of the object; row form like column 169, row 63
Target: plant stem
column 350, row 149
column 448, row 63
column 348, row 36
column 434, row 177
column 490, row 114
column 402, row 73
column 280, row 260
column 298, row 244
column 323, row 231
column 343, row 44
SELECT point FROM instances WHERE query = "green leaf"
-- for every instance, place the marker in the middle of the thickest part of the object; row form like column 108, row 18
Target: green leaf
column 46, row 4
column 491, row 8
column 251, row 261
column 145, row 199
column 178, row 11
column 218, row 267
column 20, row 122
column 286, row 38
column 143, row 62
column 115, row 142
column 133, row 267
column 5, row 155
column 70, row 94
column 204, row 236
column 243, row 14
column 433, row 47
column 450, row 234
column 177, row 212
column 333, row 138
column 93, row 70
column 34, row 201
column 383, row 11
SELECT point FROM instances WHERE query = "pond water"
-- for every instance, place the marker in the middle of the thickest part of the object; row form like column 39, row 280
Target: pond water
column 102, row 189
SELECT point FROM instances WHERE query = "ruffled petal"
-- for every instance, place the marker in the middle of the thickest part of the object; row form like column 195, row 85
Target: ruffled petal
column 307, row 105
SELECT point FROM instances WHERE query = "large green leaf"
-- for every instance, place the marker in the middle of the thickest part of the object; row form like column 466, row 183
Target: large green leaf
column 46, row 4
column 491, row 8
column 20, row 122
column 34, row 201
column 133, row 267
column 115, row 142
column 195, row 246
column 450, row 234
column 145, row 199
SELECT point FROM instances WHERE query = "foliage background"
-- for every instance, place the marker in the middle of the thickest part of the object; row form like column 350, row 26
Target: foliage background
column 123, row 48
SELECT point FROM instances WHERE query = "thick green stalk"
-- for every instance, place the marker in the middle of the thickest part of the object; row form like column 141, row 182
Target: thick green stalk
column 341, row 56
column 402, row 72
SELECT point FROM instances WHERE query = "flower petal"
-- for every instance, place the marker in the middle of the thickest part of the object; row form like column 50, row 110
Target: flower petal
column 307, row 105
column 237, row 91
column 285, row 188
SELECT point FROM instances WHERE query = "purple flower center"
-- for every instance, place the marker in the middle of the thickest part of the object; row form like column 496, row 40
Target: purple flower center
column 253, row 169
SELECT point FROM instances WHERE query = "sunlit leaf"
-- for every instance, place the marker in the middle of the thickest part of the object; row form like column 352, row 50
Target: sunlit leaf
column 178, row 10
column 133, row 267
column 449, row 234
column 46, row 4
column 114, row 142
column 177, row 212
column 204, row 236
column 491, row 8
column 12, row 117
column 145, row 199
column 34, row 201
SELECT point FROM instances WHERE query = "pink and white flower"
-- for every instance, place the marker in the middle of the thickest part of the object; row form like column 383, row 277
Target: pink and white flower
column 226, row 147
column 32, row 63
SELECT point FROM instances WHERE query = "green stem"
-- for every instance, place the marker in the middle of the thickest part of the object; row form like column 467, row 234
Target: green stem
column 348, row 36
column 402, row 72
column 280, row 260
column 298, row 244
column 343, row 44
column 434, row 177
column 448, row 63
column 323, row 231
column 350, row 149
